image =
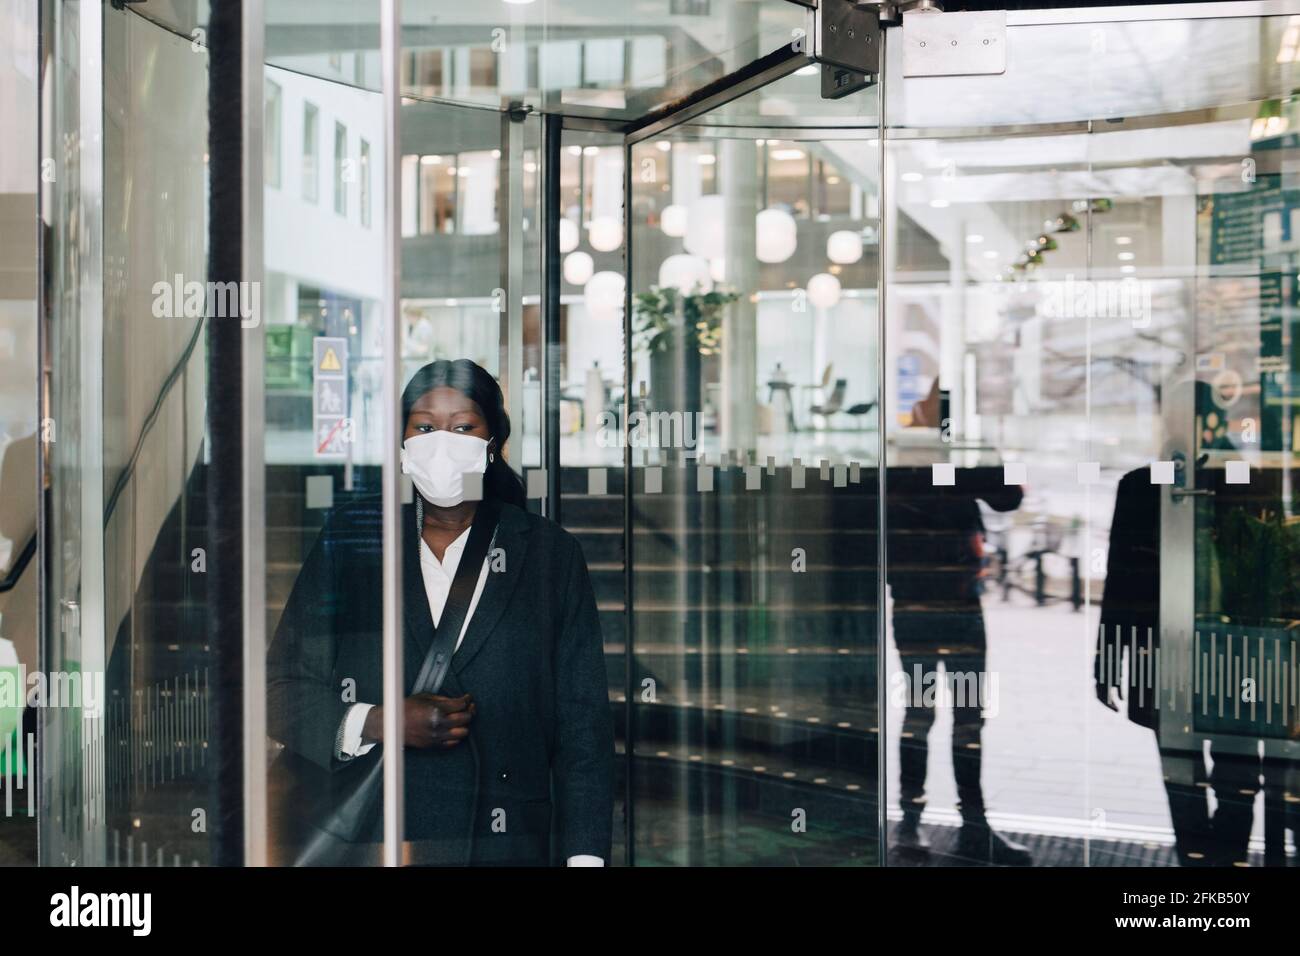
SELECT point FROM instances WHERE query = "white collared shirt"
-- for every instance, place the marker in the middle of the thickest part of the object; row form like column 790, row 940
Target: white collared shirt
column 438, row 577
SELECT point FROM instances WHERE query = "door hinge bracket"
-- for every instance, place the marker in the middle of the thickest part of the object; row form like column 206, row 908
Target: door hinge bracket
column 847, row 35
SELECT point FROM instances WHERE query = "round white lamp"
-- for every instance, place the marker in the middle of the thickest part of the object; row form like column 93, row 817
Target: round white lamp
column 673, row 221
column 824, row 290
column 775, row 235
column 605, row 234
column 686, row 273
column 578, row 267
column 844, row 247
column 569, row 236
column 603, row 295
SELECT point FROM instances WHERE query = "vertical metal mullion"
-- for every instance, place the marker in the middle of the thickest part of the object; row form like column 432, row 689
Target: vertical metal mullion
column 552, row 134
column 90, row 320
column 253, row 383
column 629, row 676
column 46, row 117
column 882, row 283
column 511, row 185
column 394, row 810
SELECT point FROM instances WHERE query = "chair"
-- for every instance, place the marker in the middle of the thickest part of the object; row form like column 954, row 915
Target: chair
column 825, row 383
column 833, row 404
column 821, row 386
column 859, row 410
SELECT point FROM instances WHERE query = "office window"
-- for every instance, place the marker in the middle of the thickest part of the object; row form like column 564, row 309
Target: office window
column 310, row 153
column 410, row 195
column 437, row 194
column 341, row 170
column 365, row 183
column 271, row 140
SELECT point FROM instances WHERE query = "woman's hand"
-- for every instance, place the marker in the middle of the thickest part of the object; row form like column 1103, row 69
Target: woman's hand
column 429, row 720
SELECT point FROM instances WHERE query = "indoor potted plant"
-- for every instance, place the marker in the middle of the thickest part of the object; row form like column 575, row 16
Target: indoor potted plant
column 677, row 331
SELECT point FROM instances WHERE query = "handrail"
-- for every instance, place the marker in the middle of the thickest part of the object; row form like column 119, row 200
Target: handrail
column 19, row 566
column 119, row 486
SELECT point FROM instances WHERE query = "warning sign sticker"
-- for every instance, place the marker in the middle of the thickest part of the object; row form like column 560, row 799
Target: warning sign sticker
column 330, row 397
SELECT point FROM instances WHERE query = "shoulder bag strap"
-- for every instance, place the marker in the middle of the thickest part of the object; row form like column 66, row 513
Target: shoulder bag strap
column 447, row 631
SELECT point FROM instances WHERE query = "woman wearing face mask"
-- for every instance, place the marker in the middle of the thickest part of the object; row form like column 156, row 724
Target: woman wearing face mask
column 510, row 762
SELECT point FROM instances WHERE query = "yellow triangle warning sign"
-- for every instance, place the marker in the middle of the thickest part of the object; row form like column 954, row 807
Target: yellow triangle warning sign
column 330, row 361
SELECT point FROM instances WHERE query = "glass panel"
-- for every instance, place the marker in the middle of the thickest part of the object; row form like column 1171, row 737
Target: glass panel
column 1071, row 72
column 592, row 394
column 1091, row 454
column 619, row 59
column 754, row 435
column 1236, row 439
column 324, row 430
column 128, row 764
column 22, row 439
column 63, row 840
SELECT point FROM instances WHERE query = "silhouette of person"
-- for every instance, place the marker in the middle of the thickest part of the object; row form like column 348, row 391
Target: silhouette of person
column 935, row 558
column 1130, row 624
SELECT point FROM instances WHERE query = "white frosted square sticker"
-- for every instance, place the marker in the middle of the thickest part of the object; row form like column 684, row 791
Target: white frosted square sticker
column 536, row 483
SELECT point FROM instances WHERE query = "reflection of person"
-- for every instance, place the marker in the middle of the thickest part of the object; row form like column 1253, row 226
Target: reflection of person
column 517, row 748
column 935, row 558
column 1130, row 620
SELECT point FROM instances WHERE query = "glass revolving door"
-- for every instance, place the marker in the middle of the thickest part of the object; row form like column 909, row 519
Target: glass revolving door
column 753, row 436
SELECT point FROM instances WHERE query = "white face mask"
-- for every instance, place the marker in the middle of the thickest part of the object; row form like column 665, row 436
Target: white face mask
column 438, row 462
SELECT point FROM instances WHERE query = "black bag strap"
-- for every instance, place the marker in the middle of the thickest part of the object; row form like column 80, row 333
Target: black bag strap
column 446, row 632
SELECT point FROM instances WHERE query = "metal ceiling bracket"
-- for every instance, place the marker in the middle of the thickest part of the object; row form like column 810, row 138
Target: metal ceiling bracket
column 847, row 35
column 970, row 43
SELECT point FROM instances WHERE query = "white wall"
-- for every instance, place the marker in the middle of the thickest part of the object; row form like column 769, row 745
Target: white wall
column 308, row 241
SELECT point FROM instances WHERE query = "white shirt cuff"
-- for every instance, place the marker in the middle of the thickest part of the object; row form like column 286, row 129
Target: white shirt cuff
column 585, row 860
column 349, row 743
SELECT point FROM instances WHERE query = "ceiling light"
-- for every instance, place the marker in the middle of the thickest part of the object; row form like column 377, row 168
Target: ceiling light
column 912, row 177
column 430, row 160
column 974, row 238
column 1127, row 256
column 1123, row 240
column 938, row 204
column 785, row 154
